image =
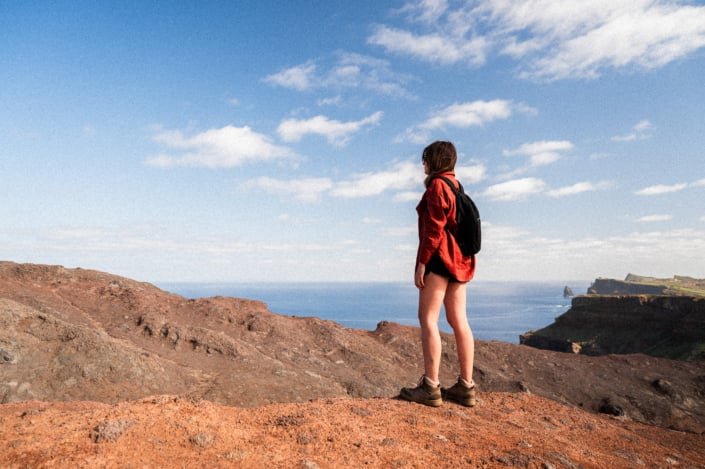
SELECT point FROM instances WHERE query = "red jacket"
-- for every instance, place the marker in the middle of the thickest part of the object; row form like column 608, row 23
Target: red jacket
column 436, row 219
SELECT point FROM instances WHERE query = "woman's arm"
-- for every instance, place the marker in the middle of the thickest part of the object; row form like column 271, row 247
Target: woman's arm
column 433, row 223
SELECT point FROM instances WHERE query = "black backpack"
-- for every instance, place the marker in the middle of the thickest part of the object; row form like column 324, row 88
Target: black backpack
column 469, row 233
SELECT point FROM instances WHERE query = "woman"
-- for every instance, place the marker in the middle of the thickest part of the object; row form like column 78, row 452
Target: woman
column 442, row 273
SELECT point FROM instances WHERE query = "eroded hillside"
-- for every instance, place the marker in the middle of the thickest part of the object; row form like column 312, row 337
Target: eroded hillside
column 81, row 335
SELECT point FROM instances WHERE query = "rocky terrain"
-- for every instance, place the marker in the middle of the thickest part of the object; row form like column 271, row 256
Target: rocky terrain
column 659, row 317
column 503, row 430
column 100, row 370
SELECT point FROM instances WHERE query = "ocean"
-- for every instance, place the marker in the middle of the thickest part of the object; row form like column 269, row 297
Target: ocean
column 496, row 310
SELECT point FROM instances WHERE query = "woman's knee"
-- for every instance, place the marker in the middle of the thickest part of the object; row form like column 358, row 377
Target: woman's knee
column 459, row 325
column 429, row 323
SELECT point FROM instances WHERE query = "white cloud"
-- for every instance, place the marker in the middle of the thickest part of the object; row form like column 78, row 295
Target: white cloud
column 216, row 148
column 667, row 189
column 661, row 189
column 643, row 125
column 515, row 190
column 306, row 190
column 460, row 115
column 644, row 34
column 521, row 188
column 349, row 71
column 331, row 101
column 406, row 247
column 401, row 176
column 401, row 231
column 434, row 47
column 470, row 174
column 470, row 114
column 361, row 71
column 502, row 233
column 426, row 11
column 61, row 233
column 542, row 152
column 599, row 156
column 654, row 218
column 552, row 40
column 580, row 258
column 336, row 132
column 298, row 78
column 408, row 196
column 577, row 188
column 638, row 132
column 508, row 253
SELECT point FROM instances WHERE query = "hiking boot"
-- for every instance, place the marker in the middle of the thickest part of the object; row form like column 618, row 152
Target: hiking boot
column 424, row 394
column 460, row 393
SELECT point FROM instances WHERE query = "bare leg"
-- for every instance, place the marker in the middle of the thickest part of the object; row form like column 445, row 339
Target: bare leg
column 430, row 300
column 455, row 304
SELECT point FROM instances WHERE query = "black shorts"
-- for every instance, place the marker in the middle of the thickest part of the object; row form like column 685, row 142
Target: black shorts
column 436, row 266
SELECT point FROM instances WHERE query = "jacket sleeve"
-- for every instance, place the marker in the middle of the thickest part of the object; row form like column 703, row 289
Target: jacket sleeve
column 432, row 226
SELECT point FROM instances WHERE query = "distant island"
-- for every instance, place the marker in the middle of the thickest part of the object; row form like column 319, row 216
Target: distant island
column 659, row 317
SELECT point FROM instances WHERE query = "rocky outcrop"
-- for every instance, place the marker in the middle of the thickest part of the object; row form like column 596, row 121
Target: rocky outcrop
column 100, row 337
column 608, row 286
column 658, row 325
column 81, row 335
column 641, row 285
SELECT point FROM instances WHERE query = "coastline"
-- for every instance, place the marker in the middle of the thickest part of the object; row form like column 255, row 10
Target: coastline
column 497, row 310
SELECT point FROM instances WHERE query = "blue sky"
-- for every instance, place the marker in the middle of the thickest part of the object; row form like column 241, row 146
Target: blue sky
column 281, row 141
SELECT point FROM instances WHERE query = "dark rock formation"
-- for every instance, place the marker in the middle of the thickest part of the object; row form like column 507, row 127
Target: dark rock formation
column 663, row 326
column 608, row 286
column 567, row 292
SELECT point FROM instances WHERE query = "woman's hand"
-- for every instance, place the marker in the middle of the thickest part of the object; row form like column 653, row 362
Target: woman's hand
column 419, row 275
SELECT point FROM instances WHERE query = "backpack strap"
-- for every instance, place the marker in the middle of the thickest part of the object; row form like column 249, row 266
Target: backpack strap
column 456, row 191
column 456, row 194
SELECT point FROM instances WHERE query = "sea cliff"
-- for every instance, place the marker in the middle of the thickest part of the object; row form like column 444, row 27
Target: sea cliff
column 658, row 317
column 641, row 285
